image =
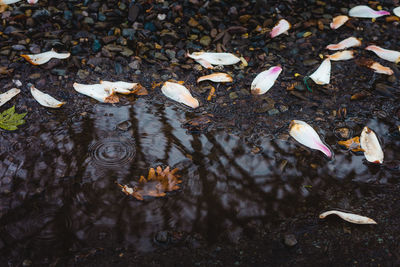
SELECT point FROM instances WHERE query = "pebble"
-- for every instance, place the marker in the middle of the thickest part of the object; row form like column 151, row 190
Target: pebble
column 134, row 65
column 273, row 111
column 290, row 240
column 82, row 74
column 162, row 236
column 205, row 40
column 233, row 95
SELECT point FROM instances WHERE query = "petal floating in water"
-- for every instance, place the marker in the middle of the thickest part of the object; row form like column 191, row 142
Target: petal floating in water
column 372, row 149
column 338, row 21
column 366, row 12
column 179, row 93
column 282, row 27
column 265, row 80
column 216, row 77
column 342, row 55
column 207, row 59
column 120, row 87
column 45, row 99
column 5, row 97
column 389, row 55
column 307, row 136
column 323, row 74
column 42, row 58
column 349, row 217
column 346, row 43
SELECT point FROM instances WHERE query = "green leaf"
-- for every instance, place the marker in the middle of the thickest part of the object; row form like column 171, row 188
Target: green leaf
column 9, row 120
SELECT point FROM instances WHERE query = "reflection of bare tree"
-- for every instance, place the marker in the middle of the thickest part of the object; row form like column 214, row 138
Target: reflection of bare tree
column 60, row 199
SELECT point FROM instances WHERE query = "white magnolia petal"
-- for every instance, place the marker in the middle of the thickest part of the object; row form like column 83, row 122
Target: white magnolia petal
column 307, row 136
column 42, row 58
column 338, row 21
column 218, row 77
column 346, row 43
column 265, row 80
column 45, row 99
column 120, row 87
column 378, row 68
column 179, row 93
column 366, row 12
column 323, row 74
column 97, row 91
column 349, row 217
column 372, row 149
column 210, row 58
column 8, row 2
column 282, row 27
column 5, row 97
column 386, row 54
column 32, row 1
column 396, row 11
column 342, row 55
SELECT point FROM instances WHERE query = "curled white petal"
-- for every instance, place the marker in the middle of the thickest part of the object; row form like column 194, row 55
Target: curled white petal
column 349, row 217
column 372, row 149
column 218, row 77
column 120, row 87
column 282, row 27
column 8, row 2
column 323, row 74
column 338, row 21
column 96, row 91
column 378, row 68
column 396, row 11
column 265, row 80
column 342, row 55
column 207, row 59
column 386, row 54
column 45, row 99
column 5, row 97
column 42, row 58
column 366, row 12
column 179, row 93
column 346, row 43
column 307, row 136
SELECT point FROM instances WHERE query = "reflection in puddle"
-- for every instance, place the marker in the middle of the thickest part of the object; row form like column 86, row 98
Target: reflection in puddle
column 58, row 181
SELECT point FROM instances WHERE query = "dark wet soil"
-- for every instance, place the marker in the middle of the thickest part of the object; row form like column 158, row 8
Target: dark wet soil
column 250, row 195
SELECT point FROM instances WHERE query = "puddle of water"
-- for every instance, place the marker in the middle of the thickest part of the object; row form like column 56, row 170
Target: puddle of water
column 58, row 186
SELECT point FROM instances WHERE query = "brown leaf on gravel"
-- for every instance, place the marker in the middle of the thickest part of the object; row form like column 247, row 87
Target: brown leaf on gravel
column 158, row 182
column 353, row 144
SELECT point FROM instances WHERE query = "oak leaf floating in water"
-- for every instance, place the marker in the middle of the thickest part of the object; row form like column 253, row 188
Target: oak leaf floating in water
column 5, row 97
column 372, row 149
column 208, row 59
column 45, row 99
column 346, row 43
column 353, row 144
column 283, row 26
column 179, row 93
column 338, row 21
column 349, row 217
column 158, row 182
column 363, row 11
column 307, row 136
column 42, row 58
column 265, row 80
column 9, row 120
column 386, row 54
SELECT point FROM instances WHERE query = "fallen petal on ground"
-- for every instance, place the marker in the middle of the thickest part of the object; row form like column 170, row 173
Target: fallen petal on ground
column 179, row 93
column 346, row 43
column 282, row 27
column 366, row 12
column 323, row 74
column 372, row 149
column 216, row 77
column 265, row 80
column 45, row 99
column 349, row 217
column 5, row 97
column 386, row 54
column 338, row 21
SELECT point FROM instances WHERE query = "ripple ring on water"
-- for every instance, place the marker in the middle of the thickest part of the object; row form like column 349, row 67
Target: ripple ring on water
column 113, row 152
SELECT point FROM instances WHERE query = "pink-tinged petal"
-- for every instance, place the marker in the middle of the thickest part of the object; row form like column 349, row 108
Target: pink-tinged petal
column 323, row 74
column 366, row 12
column 179, row 93
column 282, row 27
column 386, row 54
column 396, row 11
column 346, row 43
column 338, row 21
column 342, row 55
column 307, row 136
column 32, row 2
column 265, row 80
column 372, row 149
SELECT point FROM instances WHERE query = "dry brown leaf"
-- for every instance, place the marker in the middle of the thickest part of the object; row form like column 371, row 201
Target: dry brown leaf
column 353, row 144
column 158, row 182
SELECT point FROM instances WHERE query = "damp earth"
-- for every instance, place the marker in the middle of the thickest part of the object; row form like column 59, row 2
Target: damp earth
column 250, row 194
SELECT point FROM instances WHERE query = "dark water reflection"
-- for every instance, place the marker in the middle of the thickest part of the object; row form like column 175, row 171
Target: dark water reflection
column 58, row 179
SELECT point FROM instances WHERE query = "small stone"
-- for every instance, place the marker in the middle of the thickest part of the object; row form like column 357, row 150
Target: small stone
column 192, row 22
column 160, row 56
column 233, row 95
column 82, row 74
column 170, row 53
column 88, row 20
column 273, row 111
column 290, row 240
column 124, row 126
column 27, row 263
column 162, row 236
column 134, row 65
column 150, row 26
column 129, row 33
column 310, row 62
column 96, row 46
column 205, row 40
column 34, row 76
column 59, row 72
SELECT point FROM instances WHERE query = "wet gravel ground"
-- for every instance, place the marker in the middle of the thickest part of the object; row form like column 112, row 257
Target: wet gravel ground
column 146, row 42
